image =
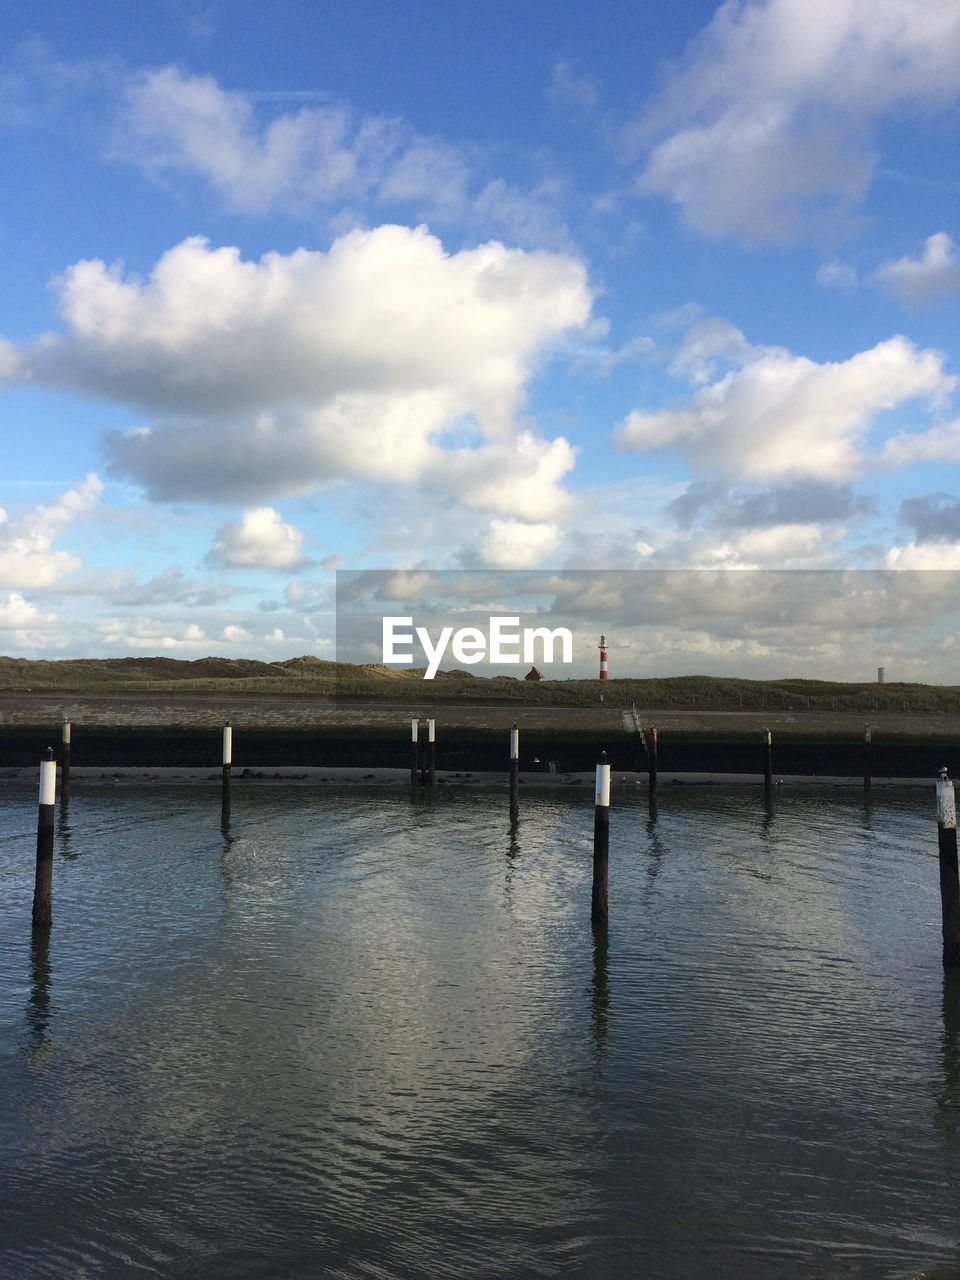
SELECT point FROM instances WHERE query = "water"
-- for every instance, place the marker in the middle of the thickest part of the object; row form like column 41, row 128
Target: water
column 357, row 1036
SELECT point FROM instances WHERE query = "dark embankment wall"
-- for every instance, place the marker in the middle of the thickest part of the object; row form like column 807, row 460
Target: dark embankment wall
column 470, row 749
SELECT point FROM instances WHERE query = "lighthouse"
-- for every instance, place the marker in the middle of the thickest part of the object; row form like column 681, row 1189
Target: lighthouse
column 603, row 657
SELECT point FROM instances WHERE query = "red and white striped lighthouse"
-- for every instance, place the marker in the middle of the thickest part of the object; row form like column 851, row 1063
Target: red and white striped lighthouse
column 603, row 657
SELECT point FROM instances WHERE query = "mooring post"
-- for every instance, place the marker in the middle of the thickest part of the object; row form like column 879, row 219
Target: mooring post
column 514, row 773
column 949, row 878
column 415, row 760
column 601, row 842
column 65, row 757
column 431, row 753
column 227, row 773
column 43, row 883
column 867, row 744
column 652, row 758
column 768, row 761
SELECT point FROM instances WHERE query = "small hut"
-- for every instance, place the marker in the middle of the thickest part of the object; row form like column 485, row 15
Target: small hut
column 533, row 674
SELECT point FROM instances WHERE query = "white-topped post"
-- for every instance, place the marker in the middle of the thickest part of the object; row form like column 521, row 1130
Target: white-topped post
column 43, row 882
column 514, row 773
column 227, row 774
column 431, row 752
column 601, row 842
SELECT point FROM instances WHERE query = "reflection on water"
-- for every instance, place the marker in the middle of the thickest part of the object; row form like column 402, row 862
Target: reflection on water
column 38, row 1004
column 601, row 990
column 338, row 1033
column 948, row 1099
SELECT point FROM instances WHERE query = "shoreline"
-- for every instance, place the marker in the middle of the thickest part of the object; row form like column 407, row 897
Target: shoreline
column 386, row 777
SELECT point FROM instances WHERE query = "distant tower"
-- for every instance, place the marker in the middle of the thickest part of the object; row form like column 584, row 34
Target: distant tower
column 881, row 675
column 603, row 657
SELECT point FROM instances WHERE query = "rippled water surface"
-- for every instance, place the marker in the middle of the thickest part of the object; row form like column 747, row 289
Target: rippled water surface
column 359, row 1035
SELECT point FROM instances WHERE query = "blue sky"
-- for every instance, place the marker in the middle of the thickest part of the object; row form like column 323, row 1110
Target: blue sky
column 411, row 286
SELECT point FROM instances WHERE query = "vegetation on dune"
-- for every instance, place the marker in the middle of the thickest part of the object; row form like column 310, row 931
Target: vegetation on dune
column 315, row 677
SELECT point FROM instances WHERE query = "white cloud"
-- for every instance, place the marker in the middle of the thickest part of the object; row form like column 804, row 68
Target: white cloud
column 709, row 343
column 13, row 367
column 515, row 544
column 258, row 540
column 836, row 275
column 319, row 155
column 786, row 415
column 17, row 613
column 935, row 275
column 148, row 635
column 938, row 444
column 237, row 635
column 571, row 90
column 927, row 555
column 519, row 477
column 772, row 118
column 281, row 375
column 27, row 554
column 179, row 122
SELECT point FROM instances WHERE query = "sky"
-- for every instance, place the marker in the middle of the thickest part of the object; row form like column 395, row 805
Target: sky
column 423, row 288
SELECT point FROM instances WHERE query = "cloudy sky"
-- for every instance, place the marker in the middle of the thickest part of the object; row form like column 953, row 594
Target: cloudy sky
column 413, row 286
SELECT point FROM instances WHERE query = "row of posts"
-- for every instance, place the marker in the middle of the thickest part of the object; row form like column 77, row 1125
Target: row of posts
column 424, row 774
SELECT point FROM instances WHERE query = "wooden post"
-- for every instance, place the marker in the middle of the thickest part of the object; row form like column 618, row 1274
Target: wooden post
column 867, row 745
column 652, row 754
column 43, row 883
column 601, row 842
column 514, row 773
column 768, row 761
column 415, row 760
column 431, row 753
column 227, row 774
column 65, row 757
column 949, row 878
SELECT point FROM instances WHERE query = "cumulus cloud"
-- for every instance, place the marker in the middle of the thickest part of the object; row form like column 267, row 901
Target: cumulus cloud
column 937, row 444
column 13, row 367
column 782, row 415
column 514, row 544
column 773, row 116
column 708, row 344
column 149, row 635
column 176, row 122
column 281, row 375
column 28, row 557
column 932, row 276
column 318, row 156
column 925, row 555
column 16, row 613
column 258, row 540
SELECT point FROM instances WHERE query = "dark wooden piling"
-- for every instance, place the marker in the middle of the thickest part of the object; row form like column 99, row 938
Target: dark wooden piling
column 652, row 758
column 431, row 753
column 601, row 843
column 514, row 773
column 415, row 758
column 227, row 774
column 768, row 761
column 949, row 877
column 867, row 762
column 43, row 882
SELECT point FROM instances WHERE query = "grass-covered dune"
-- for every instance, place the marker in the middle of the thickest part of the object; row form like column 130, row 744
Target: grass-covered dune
column 315, row 678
